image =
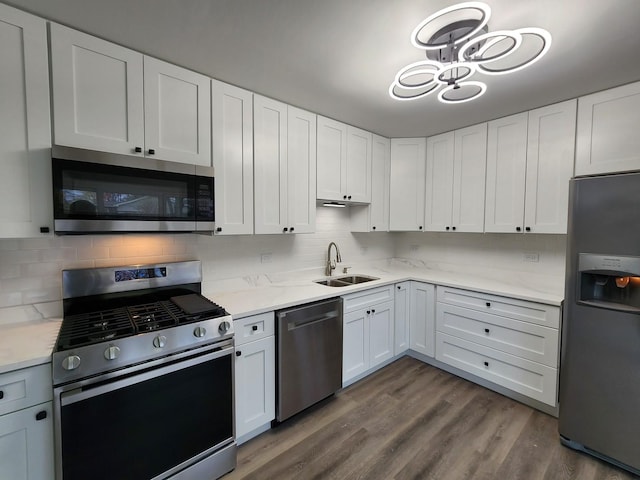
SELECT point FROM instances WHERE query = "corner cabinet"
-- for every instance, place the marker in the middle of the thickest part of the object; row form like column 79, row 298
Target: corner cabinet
column 402, row 318
column 368, row 332
column 375, row 216
column 284, row 168
column 455, row 187
column 26, row 424
column 344, row 162
column 407, row 184
column 232, row 142
column 255, row 370
column 422, row 318
column 529, row 165
column 113, row 99
column 607, row 133
column 25, row 136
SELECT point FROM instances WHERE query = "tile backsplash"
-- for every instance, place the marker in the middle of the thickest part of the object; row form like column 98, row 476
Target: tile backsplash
column 30, row 278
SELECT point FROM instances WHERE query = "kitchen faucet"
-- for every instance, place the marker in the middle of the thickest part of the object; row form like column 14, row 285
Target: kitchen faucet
column 332, row 265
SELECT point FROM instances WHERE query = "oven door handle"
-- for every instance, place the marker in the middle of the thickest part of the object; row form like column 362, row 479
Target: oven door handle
column 83, row 393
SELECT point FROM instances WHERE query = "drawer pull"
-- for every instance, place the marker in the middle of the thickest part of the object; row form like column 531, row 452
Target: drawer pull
column 1, row 394
column 238, row 353
column 41, row 415
column 488, row 304
column 486, row 330
column 368, row 312
column 486, row 364
column 373, row 310
column 254, row 328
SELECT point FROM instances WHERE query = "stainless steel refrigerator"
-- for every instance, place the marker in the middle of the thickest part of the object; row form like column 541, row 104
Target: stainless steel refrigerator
column 600, row 361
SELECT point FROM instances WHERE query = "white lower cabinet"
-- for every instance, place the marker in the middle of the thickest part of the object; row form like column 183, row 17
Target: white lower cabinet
column 368, row 331
column 255, row 369
column 26, row 424
column 402, row 308
column 422, row 318
column 510, row 342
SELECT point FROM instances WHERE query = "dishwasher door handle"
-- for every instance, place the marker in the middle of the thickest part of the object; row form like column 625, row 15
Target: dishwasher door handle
column 305, row 322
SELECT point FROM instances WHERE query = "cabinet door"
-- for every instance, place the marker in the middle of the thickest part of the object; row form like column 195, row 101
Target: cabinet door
column 358, row 165
column 607, row 132
column 406, row 208
column 25, row 136
column 549, row 167
column 26, row 444
column 506, row 166
column 97, row 93
column 380, row 170
column 355, row 351
column 381, row 333
column 177, row 113
column 402, row 313
column 470, row 165
column 439, row 183
column 255, row 385
column 422, row 315
column 332, row 164
column 270, row 165
column 232, row 112
column 301, row 170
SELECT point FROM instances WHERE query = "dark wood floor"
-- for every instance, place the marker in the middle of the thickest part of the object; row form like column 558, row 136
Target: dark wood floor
column 413, row 421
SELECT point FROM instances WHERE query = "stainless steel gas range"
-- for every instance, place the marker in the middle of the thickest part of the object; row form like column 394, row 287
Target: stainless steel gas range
column 143, row 376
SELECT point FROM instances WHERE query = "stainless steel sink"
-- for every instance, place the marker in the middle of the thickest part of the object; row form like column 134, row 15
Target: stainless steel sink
column 346, row 280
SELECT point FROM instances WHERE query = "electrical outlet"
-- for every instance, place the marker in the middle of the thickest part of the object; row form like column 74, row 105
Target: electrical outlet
column 413, row 248
column 265, row 258
column 531, row 257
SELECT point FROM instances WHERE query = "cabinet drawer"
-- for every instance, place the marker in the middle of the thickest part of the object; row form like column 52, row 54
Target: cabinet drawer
column 527, row 340
column 539, row 313
column 254, row 327
column 24, row 388
column 529, row 378
column 367, row 298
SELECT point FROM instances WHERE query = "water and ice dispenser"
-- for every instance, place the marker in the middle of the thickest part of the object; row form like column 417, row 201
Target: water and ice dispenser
column 609, row 281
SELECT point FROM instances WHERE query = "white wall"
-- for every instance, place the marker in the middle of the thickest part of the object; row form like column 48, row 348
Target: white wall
column 30, row 278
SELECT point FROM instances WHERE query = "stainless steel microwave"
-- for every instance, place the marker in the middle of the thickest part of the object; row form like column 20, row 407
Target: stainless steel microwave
column 97, row 192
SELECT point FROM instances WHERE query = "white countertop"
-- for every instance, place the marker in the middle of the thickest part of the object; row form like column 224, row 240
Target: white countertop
column 253, row 295
column 31, row 343
column 27, row 344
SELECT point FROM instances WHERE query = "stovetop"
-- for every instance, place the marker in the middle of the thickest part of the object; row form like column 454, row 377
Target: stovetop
column 113, row 323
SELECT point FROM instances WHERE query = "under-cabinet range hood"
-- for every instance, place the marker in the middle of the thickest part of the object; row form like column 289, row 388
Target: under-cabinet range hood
column 97, row 192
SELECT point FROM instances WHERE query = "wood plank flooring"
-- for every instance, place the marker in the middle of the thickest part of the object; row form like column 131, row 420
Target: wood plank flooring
column 414, row 421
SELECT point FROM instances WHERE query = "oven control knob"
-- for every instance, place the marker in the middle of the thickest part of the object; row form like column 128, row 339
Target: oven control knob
column 71, row 362
column 160, row 341
column 199, row 332
column 224, row 326
column 112, row 352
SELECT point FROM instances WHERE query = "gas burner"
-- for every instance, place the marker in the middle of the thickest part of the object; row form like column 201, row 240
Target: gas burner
column 101, row 325
column 101, row 337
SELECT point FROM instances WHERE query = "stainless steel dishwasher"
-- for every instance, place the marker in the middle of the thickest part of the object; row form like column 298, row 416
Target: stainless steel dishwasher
column 309, row 355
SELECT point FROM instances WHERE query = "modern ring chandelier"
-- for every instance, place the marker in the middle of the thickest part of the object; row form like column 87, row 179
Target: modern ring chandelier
column 458, row 44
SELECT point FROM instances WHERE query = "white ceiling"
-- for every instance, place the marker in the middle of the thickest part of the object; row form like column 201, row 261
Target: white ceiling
column 338, row 57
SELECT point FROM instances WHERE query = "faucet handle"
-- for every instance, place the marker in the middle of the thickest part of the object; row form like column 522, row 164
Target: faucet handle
column 345, row 269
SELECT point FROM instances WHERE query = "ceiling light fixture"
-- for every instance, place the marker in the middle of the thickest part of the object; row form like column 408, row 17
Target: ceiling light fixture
column 458, row 44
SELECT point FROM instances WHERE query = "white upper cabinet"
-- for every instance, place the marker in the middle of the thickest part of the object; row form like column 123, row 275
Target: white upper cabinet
column 506, row 170
column 344, row 162
column 407, row 189
column 97, row 93
column 439, row 182
column 375, row 216
column 529, row 164
column 469, row 170
column 550, row 153
column 177, row 113
column 109, row 98
column 232, row 139
column 284, row 167
column 301, row 170
column 607, row 132
column 25, row 133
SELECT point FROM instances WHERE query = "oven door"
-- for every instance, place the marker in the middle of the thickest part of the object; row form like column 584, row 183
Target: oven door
column 150, row 424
